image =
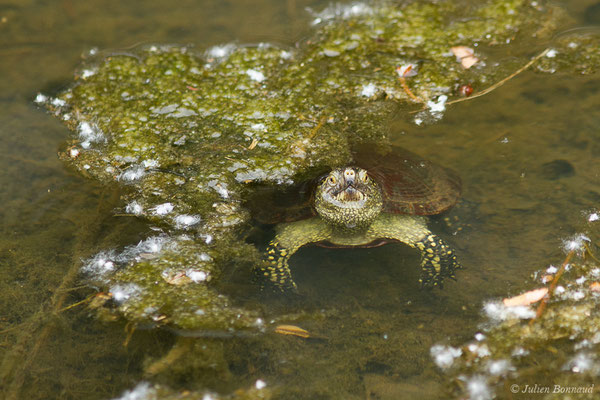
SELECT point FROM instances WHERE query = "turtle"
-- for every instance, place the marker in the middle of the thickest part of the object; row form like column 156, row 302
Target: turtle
column 383, row 196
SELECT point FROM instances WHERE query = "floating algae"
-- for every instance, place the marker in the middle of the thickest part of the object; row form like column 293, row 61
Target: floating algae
column 548, row 350
column 189, row 133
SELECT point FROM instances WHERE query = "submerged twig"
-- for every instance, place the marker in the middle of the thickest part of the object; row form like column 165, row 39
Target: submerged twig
column 408, row 91
column 319, row 125
column 589, row 251
column 182, row 346
column 86, row 300
column 503, row 81
column 72, row 289
column 485, row 91
column 129, row 330
column 544, row 302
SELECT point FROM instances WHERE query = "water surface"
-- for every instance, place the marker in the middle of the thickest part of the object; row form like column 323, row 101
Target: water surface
column 526, row 154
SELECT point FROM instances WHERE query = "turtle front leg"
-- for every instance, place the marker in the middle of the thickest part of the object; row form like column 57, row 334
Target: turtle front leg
column 275, row 269
column 438, row 261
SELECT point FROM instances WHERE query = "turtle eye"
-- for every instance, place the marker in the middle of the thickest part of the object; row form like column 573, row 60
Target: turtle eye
column 362, row 175
column 331, row 180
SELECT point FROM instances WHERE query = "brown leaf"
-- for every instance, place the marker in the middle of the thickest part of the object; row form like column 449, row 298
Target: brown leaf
column 292, row 330
column 465, row 55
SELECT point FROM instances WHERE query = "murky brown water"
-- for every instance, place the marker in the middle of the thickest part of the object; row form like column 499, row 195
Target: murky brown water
column 526, row 154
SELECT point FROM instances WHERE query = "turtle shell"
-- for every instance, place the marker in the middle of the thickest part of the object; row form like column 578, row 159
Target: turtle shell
column 410, row 185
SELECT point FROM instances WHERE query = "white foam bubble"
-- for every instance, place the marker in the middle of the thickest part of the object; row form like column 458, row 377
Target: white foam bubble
column 255, row 75
column 368, row 90
column 478, row 388
column 497, row 311
column 163, row 209
column 134, row 208
column 196, row 276
column 186, row 220
column 444, row 356
column 142, row 391
column 40, row 98
column 260, row 384
column 122, row 292
column 132, row 173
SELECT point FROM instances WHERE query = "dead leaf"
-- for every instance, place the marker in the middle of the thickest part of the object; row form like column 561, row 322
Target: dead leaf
column 253, row 144
column 526, row 298
column 595, row 286
column 465, row 55
column 292, row 330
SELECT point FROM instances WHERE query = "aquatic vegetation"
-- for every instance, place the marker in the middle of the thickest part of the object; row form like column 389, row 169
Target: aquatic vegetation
column 189, row 134
column 549, row 349
column 575, row 51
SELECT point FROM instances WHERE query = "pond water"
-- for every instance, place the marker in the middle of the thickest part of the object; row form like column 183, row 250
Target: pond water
column 525, row 152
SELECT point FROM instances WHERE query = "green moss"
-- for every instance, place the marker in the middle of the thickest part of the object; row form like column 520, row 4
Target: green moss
column 175, row 287
column 577, row 52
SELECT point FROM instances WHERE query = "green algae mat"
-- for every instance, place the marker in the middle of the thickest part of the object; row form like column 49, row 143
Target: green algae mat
column 190, row 134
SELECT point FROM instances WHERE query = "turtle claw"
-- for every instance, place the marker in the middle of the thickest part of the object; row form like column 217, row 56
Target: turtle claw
column 269, row 286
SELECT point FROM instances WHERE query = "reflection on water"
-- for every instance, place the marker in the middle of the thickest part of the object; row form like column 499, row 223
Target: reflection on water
column 525, row 154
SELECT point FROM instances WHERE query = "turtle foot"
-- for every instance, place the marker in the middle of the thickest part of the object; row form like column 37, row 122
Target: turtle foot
column 274, row 273
column 438, row 262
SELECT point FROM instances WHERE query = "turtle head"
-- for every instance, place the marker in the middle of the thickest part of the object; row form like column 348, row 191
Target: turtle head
column 348, row 198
